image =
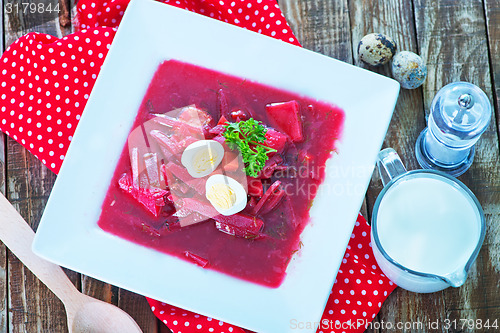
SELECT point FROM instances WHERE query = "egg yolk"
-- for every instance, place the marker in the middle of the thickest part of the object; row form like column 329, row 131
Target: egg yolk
column 204, row 160
column 221, row 196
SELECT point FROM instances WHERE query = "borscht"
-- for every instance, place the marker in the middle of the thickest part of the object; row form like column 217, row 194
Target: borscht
column 221, row 171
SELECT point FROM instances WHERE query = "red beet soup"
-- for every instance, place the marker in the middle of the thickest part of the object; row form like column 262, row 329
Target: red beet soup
column 273, row 142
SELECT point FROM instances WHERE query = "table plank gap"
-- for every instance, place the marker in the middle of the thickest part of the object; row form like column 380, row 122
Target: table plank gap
column 138, row 307
column 4, row 306
column 492, row 19
column 321, row 26
column 453, row 39
column 395, row 18
column 4, row 313
column 100, row 290
column 65, row 16
column 32, row 307
column 324, row 27
column 312, row 25
column 107, row 292
column 2, row 32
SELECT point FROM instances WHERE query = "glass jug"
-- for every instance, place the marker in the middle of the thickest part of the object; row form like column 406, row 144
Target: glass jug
column 427, row 227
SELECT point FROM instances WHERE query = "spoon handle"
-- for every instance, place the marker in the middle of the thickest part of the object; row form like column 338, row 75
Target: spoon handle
column 18, row 236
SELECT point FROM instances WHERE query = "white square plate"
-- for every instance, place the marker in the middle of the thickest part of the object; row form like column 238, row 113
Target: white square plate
column 150, row 33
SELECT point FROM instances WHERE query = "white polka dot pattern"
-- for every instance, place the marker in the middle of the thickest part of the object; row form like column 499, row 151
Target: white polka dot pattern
column 45, row 84
column 354, row 295
column 43, row 76
column 49, row 83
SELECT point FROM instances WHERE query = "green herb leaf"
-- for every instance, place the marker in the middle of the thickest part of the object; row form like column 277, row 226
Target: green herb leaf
column 247, row 136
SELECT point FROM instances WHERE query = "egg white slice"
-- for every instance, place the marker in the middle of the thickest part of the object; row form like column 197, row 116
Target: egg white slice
column 226, row 195
column 202, row 157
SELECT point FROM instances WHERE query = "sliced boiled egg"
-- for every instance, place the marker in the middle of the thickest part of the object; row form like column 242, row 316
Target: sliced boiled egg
column 226, row 195
column 202, row 157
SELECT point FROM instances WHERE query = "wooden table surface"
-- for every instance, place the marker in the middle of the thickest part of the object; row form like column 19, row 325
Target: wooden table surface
column 459, row 40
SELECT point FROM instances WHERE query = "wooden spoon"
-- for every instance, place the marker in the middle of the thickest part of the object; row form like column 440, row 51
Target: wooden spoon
column 84, row 313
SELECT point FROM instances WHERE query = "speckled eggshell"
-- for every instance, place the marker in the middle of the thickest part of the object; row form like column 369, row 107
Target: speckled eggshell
column 409, row 69
column 376, row 49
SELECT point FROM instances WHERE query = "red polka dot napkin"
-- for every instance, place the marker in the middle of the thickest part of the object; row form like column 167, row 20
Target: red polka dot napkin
column 356, row 297
column 45, row 83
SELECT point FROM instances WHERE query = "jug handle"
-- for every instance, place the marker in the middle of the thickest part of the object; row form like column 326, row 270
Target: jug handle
column 389, row 165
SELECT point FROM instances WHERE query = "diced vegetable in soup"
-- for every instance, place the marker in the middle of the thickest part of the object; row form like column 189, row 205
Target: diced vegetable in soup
column 221, row 171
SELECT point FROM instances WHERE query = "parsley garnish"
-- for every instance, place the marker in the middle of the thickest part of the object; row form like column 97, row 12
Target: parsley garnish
column 247, row 136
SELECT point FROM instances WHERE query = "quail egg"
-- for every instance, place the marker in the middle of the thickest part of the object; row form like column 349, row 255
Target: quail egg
column 202, row 157
column 376, row 49
column 226, row 195
column 409, row 69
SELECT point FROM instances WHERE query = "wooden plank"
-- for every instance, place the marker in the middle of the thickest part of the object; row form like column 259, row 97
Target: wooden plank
column 1, row 29
column 32, row 307
column 4, row 320
column 324, row 27
column 137, row 306
column 133, row 304
column 100, row 290
column 395, row 18
column 492, row 14
column 321, row 26
column 65, row 16
column 490, row 255
column 90, row 286
column 3, row 251
column 19, row 18
column 452, row 37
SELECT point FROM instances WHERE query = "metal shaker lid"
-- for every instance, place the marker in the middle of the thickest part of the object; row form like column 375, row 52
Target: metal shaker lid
column 461, row 109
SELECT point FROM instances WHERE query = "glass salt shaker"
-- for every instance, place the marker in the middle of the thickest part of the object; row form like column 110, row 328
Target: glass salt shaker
column 459, row 114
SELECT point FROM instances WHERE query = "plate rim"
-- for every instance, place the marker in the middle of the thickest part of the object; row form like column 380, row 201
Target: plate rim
column 45, row 247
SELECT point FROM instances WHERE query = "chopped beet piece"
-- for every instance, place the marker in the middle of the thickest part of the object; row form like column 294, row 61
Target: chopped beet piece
column 179, row 172
column 252, row 202
column 220, row 139
column 186, row 141
column 271, row 198
column 174, row 185
column 183, row 175
column 152, row 199
column 285, row 116
column 273, row 202
column 239, row 225
column 183, row 211
column 219, row 129
column 222, row 104
column 205, row 209
column 134, row 162
column 255, row 188
column 282, row 171
column 171, row 144
column 179, row 127
column 275, row 140
column 200, row 261
column 270, row 166
column 194, row 116
column 151, row 162
column 222, row 121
